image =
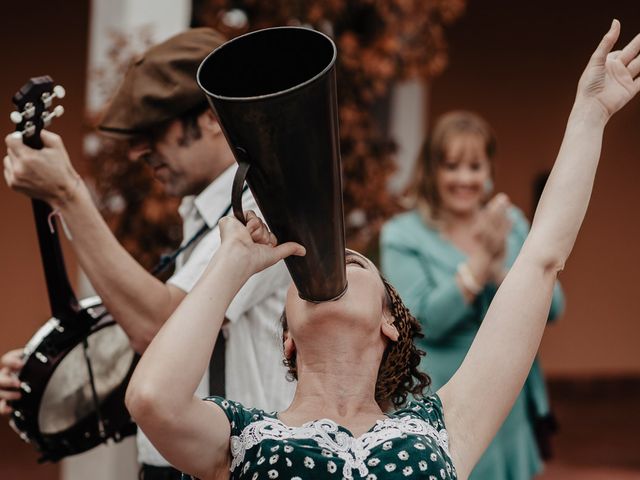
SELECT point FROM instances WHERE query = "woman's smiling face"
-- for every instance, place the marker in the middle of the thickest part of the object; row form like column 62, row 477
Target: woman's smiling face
column 464, row 173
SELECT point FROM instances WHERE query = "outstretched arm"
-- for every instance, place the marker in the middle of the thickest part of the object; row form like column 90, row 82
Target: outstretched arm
column 136, row 299
column 480, row 395
column 191, row 434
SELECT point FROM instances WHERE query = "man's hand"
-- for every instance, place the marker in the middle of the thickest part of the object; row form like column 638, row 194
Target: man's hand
column 45, row 174
column 10, row 364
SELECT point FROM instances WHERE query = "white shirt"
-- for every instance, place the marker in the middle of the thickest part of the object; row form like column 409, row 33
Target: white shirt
column 254, row 372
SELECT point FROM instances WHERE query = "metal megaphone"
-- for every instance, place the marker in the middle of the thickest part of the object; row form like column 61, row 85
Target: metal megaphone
column 274, row 93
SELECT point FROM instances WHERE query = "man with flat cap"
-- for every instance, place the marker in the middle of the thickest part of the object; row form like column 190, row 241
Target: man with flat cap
column 164, row 116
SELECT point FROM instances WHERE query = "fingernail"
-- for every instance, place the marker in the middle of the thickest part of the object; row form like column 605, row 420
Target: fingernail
column 17, row 135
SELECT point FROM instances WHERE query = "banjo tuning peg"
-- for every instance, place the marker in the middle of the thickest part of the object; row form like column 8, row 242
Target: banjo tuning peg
column 16, row 117
column 59, row 91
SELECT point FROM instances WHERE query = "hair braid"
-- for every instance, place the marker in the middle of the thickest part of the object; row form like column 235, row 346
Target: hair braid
column 399, row 373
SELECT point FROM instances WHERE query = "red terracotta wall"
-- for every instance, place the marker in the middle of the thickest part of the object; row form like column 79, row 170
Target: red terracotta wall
column 37, row 38
column 517, row 63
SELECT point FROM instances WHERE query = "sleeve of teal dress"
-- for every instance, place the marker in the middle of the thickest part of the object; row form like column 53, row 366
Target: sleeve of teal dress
column 404, row 266
column 521, row 230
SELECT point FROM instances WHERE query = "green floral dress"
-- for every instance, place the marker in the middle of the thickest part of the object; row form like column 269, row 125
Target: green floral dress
column 412, row 443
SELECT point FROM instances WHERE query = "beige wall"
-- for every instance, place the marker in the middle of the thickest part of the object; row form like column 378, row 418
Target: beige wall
column 43, row 37
column 517, row 63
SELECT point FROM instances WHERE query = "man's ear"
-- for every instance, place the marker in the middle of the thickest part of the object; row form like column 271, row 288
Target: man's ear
column 388, row 329
column 209, row 122
column 289, row 346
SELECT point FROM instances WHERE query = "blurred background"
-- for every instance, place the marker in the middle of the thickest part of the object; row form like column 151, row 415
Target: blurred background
column 401, row 64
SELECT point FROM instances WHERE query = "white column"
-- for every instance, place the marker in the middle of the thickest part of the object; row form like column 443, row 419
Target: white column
column 407, row 127
column 160, row 19
column 134, row 18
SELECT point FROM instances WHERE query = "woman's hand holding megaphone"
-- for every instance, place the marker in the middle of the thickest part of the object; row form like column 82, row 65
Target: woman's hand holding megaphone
column 253, row 245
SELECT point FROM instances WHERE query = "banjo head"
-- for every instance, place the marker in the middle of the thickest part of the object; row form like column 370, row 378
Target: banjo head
column 73, row 384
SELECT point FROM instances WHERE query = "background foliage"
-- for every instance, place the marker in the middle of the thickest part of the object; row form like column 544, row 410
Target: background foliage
column 379, row 44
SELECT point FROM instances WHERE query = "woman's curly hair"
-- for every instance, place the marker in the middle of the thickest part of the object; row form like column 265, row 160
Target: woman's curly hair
column 399, row 374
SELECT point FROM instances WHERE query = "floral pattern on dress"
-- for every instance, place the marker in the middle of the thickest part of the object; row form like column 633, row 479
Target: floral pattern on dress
column 411, row 443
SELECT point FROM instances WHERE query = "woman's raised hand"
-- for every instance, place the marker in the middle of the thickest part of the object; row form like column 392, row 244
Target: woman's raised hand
column 611, row 78
column 254, row 243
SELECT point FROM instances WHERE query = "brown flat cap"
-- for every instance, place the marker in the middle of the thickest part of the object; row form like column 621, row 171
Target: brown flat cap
column 161, row 84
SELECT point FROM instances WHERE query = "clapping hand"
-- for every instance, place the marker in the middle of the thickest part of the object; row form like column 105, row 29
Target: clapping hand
column 492, row 230
column 611, row 79
column 493, row 225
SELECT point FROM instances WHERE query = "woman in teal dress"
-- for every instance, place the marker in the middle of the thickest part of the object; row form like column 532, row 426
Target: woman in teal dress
column 354, row 357
column 447, row 258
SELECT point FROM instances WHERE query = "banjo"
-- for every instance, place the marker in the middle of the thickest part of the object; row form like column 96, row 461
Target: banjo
column 78, row 364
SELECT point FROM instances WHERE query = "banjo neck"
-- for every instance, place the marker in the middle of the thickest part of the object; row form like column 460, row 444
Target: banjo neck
column 62, row 300
column 32, row 115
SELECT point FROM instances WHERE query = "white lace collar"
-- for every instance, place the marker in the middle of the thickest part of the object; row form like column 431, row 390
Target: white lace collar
column 328, row 435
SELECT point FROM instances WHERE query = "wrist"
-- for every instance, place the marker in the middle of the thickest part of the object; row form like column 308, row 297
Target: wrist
column 480, row 264
column 235, row 257
column 468, row 280
column 68, row 193
column 590, row 112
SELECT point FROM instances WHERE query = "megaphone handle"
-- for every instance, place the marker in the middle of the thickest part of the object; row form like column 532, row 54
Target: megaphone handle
column 238, row 184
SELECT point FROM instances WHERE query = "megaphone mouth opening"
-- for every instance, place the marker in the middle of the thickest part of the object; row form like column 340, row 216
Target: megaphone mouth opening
column 266, row 63
column 324, row 300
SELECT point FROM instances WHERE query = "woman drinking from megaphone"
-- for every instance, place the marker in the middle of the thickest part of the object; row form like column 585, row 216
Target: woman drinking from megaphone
column 353, row 357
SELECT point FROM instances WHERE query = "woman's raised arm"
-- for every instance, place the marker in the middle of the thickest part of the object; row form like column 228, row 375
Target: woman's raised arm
column 481, row 393
column 191, row 434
